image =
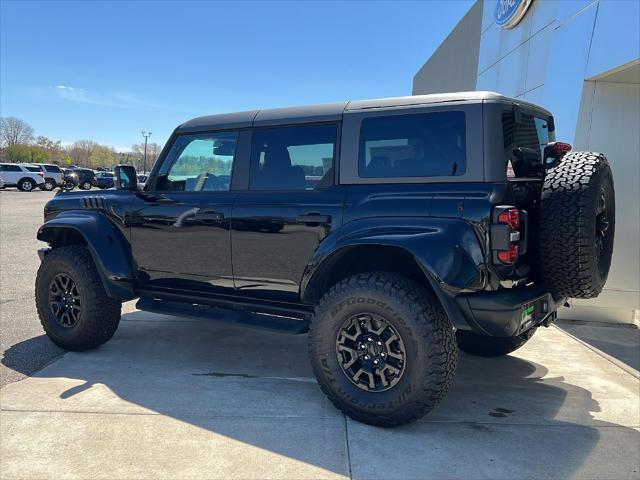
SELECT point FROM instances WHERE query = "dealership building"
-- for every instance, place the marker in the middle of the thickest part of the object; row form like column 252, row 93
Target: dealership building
column 580, row 60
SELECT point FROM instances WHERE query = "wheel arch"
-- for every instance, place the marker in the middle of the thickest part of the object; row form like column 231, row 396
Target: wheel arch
column 368, row 257
column 104, row 242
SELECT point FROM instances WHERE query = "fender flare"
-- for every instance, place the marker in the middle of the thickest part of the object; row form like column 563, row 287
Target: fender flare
column 105, row 243
column 446, row 250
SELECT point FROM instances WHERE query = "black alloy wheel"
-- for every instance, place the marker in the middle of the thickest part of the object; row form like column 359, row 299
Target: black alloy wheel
column 370, row 352
column 64, row 300
column 602, row 226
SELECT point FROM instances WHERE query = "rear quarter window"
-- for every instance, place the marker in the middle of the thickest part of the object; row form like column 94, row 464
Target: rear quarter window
column 416, row 145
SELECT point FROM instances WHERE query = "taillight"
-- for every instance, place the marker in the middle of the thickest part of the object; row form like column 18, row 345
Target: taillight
column 40, row 173
column 507, row 222
column 561, row 149
column 509, row 256
column 511, row 217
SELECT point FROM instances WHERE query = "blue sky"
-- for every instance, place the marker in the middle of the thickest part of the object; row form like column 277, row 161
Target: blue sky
column 107, row 70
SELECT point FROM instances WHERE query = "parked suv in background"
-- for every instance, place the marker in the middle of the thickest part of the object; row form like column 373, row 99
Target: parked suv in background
column 16, row 175
column 394, row 231
column 104, row 179
column 83, row 178
column 53, row 175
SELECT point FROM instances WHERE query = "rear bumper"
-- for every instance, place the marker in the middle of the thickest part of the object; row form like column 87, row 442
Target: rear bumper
column 508, row 312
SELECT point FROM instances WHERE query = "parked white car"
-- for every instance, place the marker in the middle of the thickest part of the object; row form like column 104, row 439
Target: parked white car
column 53, row 175
column 15, row 175
column 1, row 183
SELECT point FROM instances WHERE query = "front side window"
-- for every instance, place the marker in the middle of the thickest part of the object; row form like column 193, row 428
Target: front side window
column 199, row 162
column 293, row 158
column 418, row 145
column 524, row 142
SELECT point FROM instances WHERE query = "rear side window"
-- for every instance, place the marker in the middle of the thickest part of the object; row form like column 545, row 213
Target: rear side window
column 33, row 169
column 11, row 168
column 52, row 168
column 293, row 158
column 419, row 145
column 524, row 143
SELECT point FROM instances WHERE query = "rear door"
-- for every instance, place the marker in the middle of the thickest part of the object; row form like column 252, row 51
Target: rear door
column 291, row 206
column 11, row 173
column 180, row 237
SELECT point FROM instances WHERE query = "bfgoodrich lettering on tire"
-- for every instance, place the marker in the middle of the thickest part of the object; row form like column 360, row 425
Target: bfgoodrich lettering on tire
column 74, row 309
column 577, row 223
column 382, row 348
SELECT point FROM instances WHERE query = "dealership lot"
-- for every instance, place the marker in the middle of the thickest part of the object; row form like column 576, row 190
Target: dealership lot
column 176, row 398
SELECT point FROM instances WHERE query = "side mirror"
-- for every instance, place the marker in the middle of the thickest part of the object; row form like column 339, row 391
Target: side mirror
column 125, row 178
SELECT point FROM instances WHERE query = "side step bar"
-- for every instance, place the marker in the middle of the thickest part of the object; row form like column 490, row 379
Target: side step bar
column 264, row 321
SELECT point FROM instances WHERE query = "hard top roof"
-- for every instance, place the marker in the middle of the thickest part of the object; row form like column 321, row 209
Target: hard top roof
column 329, row 111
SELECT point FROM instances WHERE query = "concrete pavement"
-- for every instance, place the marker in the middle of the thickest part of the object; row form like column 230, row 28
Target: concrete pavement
column 176, row 398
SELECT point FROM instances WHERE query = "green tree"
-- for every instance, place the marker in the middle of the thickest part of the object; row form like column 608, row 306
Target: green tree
column 102, row 156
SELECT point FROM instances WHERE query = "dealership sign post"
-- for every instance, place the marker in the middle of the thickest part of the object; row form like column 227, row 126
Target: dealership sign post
column 509, row 12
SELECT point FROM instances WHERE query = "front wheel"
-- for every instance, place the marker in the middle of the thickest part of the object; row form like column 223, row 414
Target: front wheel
column 73, row 307
column 382, row 348
column 85, row 185
column 484, row 346
column 26, row 185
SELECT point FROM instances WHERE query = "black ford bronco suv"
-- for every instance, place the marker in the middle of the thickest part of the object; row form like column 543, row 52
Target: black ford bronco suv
column 394, row 231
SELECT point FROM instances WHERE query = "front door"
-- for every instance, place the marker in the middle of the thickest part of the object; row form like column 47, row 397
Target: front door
column 180, row 238
column 291, row 206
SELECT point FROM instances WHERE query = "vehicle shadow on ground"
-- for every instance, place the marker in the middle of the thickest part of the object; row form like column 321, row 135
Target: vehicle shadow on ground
column 257, row 387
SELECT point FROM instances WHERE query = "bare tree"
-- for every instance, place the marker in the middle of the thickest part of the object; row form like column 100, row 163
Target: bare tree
column 14, row 131
column 80, row 152
column 153, row 152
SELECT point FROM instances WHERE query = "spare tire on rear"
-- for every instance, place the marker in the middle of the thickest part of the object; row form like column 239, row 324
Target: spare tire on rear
column 577, row 223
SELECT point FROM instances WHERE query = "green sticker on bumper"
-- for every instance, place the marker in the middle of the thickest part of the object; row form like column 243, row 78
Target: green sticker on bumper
column 527, row 312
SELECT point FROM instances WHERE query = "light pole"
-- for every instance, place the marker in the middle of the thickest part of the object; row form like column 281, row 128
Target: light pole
column 146, row 135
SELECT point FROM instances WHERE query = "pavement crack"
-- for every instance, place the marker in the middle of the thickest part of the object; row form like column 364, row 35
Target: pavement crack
column 250, row 376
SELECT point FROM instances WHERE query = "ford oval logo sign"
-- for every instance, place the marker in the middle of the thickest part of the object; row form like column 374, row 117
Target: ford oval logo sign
column 509, row 12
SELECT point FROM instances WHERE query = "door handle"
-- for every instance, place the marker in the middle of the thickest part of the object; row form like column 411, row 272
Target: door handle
column 313, row 218
column 209, row 215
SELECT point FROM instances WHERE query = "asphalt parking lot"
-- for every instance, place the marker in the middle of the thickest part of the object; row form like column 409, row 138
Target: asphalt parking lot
column 174, row 398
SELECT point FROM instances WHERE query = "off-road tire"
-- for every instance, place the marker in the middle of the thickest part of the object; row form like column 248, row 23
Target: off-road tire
column 484, row 346
column 99, row 315
column 571, row 263
column 419, row 319
column 48, row 185
column 26, row 185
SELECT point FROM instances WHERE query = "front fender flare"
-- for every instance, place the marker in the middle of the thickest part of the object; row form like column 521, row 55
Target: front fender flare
column 106, row 244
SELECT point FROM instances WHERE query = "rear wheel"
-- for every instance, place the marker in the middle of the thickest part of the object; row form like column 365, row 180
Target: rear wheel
column 382, row 348
column 26, row 185
column 73, row 307
column 85, row 185
column 49, row 184
column 484, row 346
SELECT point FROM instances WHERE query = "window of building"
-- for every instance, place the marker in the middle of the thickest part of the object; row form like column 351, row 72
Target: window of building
column 418, row 145
column 293, row 158
column 201, row 162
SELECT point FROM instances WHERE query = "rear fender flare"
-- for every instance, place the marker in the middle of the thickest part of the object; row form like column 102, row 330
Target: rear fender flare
column 106, row 244
column 446, row 250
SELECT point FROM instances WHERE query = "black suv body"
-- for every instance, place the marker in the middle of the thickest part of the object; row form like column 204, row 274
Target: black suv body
column 428, row 208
